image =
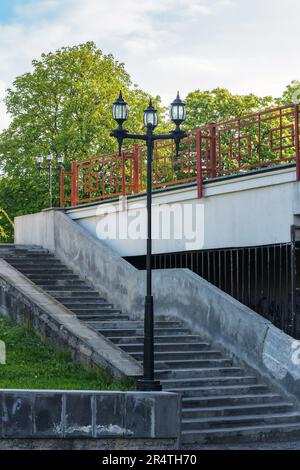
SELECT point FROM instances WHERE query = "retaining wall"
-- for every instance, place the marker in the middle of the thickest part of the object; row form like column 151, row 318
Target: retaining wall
column 43, row 419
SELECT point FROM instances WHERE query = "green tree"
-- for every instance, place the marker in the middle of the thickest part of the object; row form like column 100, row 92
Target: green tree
column 291, row 94
column 62, row 106
column 205, row 107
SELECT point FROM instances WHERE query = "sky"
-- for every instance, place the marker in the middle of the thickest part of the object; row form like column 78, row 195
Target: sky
column 166, row 45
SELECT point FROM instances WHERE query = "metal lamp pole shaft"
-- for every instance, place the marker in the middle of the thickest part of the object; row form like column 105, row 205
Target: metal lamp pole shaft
column 148, row 326
column 148, row 383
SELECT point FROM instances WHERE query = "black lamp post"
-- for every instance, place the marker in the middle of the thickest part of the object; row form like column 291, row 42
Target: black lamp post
column 177, row 114
column 49, row 168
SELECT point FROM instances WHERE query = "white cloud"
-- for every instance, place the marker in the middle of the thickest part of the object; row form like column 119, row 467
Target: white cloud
column 166, row 45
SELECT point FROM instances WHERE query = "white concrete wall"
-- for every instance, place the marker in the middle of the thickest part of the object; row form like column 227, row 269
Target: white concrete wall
column 35, row 229
column 246, row 211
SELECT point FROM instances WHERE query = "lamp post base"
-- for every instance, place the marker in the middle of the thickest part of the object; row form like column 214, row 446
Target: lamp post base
column 144, row 385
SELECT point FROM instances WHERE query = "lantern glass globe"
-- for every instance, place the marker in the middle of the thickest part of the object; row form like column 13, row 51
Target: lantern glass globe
column 120, row 110
column 150, row 116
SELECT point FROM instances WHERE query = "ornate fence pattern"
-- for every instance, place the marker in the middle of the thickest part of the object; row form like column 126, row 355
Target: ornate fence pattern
column 250, row 142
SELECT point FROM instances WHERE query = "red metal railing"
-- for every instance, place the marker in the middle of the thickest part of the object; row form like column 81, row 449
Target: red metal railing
column 236, row 146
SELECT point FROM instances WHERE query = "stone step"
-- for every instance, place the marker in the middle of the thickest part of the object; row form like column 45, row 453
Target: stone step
column 192, row 363
column 140, row 331
column 69, row 293
column 66, row 283
column 219, row 390
column 32, row 257
column 174, row 355
column 25, row 249
column 267, row 432
column 26, row 264
column 83, row 302
column 208, row 381
column 187, row 338
column 237, row 410
column 50, row 273
column 104, row 317
column 55, row 284
column 203, row 372
column 237, row 421
column 53, row 277
column 53, row 265
column 139, row 347
column 140, row 324
column 77, row 295
column 111, row 313
column 93, row 312
column 229, row 400
column 16, row 247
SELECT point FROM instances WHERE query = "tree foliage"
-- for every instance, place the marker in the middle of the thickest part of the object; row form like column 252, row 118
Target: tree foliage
column 219, row 104
column 62, row 106
column 291, row 94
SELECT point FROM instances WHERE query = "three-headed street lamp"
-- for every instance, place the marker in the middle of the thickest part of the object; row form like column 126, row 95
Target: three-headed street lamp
column 178, row 114
column 49, row 168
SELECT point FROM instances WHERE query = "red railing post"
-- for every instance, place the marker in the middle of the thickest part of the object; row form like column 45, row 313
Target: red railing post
column 297, row 148
column 135, row 168
column 199, row 165
column 74, row 189
column 213, row 150
column 61, row 187
column 123, row 169
column 123, row 174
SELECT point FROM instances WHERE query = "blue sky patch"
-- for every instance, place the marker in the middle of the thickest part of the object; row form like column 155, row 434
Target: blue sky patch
column 7, row 9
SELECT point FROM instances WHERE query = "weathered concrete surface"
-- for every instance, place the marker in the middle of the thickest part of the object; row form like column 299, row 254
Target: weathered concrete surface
column 26, row 302
column 110, row 419
column 177, row 292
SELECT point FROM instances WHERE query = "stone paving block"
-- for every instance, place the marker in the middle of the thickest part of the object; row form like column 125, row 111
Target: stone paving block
column 48, row 415
column 139, row 415
column 167, row 416
column 110, row 411
column 78, row 417
column 17, row 415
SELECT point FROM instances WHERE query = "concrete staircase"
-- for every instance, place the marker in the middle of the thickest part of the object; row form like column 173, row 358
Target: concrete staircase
column 222, row 402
